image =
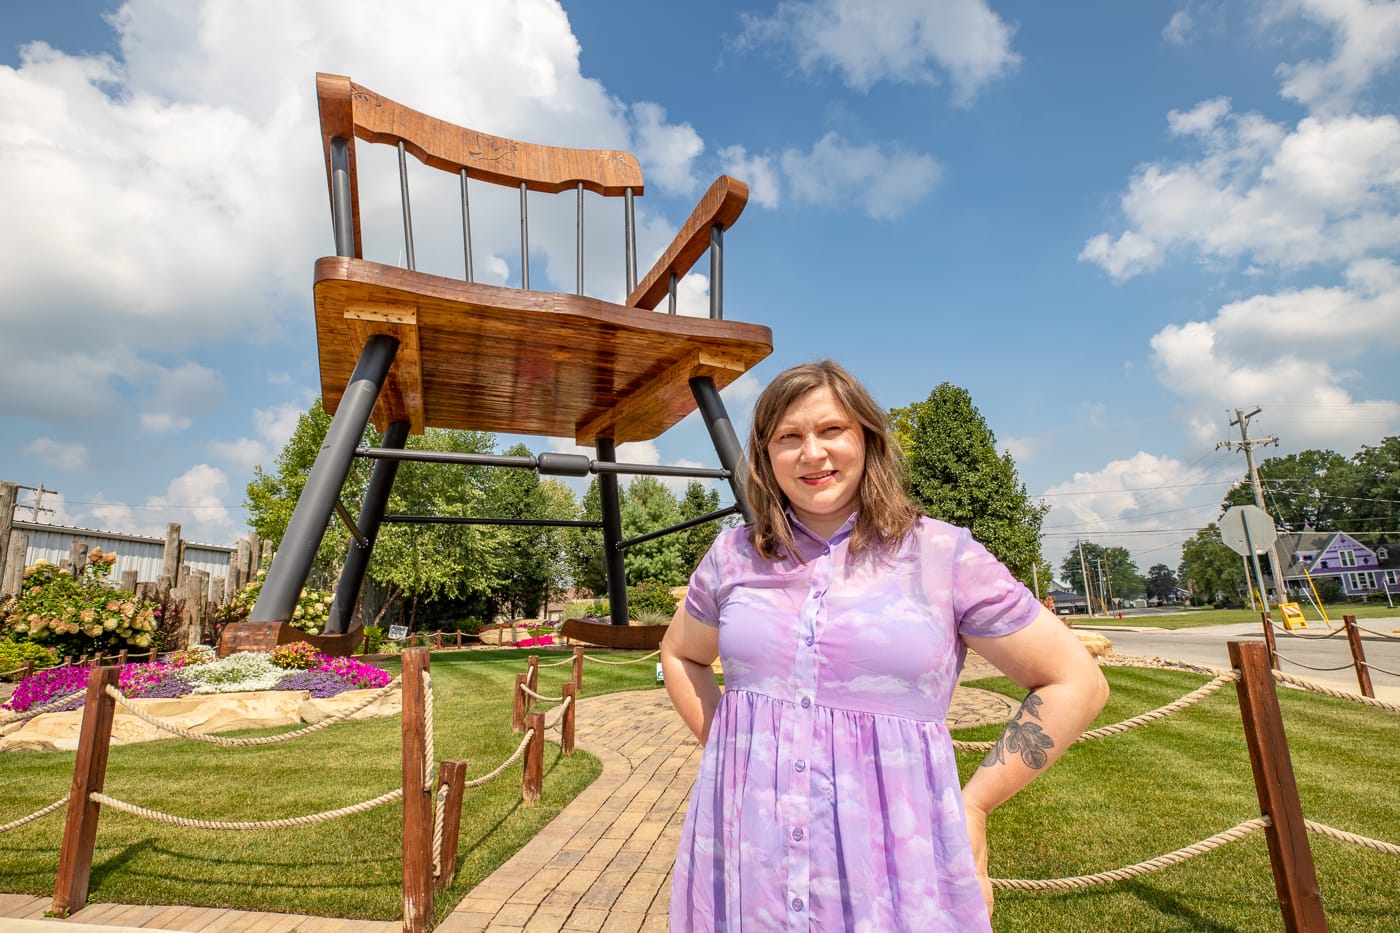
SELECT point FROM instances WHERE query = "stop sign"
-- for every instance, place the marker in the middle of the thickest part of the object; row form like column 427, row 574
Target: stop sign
column 1241, row 518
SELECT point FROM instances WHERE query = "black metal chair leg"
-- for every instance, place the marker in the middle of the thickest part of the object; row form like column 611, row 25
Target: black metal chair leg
column 731, row 453
column 277, row 599
column 376, row 501
column 610, row 501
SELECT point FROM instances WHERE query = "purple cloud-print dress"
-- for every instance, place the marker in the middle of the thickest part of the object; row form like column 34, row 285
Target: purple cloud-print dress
column 828, row 795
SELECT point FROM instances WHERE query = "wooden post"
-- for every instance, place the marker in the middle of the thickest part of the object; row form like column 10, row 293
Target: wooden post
column 89, row 772
column 453, row 775
column 170, row 557
column 218, row 589
column 13, row 579
column 417, row 797
column 566, row 725
column 121, row 657
column 532, row 780
column 437, row 640
column 578, row 668
column 238, row 568
column 532, row 672
column 1358, row 657
column 9, row 494
column 77, row 557
column 129, row 580
column 517, row 716
column 1269, row 639
column 1295, row 879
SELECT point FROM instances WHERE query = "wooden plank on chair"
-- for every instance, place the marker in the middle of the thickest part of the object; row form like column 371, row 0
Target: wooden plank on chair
column 665, row 396
column 525, row 362
column 402, row 396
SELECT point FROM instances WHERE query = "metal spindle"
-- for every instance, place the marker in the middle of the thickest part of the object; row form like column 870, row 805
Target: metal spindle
column 716, row 272
column 671, row 294
column 407, row 211
column 342, row 217
column 630, row 233
column 466, row 226
column 580, row 238
column 524, row 239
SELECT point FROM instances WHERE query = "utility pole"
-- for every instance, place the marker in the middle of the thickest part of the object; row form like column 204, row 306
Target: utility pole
column 1084, row 572
column 1247, row 444
column 38, row 505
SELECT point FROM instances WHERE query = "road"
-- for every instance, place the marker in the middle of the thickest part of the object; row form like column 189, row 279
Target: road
column 1206, row 645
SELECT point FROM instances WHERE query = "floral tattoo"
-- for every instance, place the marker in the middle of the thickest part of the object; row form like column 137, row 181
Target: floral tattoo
column 1023, row 738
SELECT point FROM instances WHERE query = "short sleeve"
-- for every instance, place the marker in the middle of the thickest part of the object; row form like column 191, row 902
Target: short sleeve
column 988, row 601
column 702, row 598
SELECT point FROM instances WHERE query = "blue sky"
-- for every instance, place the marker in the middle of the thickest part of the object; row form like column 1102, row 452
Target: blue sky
column 1113, row 223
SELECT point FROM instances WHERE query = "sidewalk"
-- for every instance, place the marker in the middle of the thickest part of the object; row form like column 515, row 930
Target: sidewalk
column 603, row 864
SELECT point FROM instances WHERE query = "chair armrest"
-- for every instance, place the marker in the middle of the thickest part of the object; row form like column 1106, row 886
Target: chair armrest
column 722, row 205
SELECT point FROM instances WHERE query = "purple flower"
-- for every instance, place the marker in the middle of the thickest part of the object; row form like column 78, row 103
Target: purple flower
column 319, row 683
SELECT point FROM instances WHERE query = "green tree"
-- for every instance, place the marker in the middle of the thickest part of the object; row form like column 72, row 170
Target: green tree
column 583, row 547
column 1112, row 572
column 647, row 506
column 1161, row 582
column 1301, row 490
column 529, row 550
column 698, row 501
column 1211, row 570
column 1371, row 490
column 954, row 473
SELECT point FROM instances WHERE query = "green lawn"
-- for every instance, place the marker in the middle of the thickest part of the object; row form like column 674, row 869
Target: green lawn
column 1191, row 617
column 1108, row 803
column 1117, row 801
column 346, row 868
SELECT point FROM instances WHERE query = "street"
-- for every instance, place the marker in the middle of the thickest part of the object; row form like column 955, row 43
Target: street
column 1206, row 645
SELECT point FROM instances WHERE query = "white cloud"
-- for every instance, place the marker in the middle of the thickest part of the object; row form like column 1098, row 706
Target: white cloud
column 1366, row 42
column 667, row 151
column 274, row 428
column 904, row 41
column 1179, row 28
column 70, row 457
column 758, row 171
column 882, row 184
column 195, row 499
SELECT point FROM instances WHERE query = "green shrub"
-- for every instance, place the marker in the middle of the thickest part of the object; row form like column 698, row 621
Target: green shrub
column 15, row 654
column 649, row 617
column 295, row 656
column 581, row 608
column 79, row 615
column 375, row 637
column 312, row 609
column 651, row 597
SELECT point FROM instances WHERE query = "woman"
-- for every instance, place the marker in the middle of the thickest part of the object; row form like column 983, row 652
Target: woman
column 828, row 794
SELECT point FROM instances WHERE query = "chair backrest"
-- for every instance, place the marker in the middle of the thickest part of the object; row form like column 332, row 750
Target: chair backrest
column 350, row 111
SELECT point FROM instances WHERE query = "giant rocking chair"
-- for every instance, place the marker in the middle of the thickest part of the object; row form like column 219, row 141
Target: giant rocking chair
column 410, row 350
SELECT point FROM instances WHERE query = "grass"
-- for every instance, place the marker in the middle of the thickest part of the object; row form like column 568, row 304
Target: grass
column 1108, row 803
column 1188, row 618
column 345, row 868
column 1121, row 800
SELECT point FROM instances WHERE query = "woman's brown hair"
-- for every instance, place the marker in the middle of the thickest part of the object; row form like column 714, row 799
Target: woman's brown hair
column 885, row 513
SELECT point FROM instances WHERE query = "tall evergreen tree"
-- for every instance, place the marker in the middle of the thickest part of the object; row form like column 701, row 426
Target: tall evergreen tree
column 955, row 474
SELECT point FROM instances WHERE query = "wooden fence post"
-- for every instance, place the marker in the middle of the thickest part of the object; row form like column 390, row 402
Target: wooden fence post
column 13, row 579
column 1295, row 879
column 418, row 791
column 1358, row 657
column 532, row 672
column 566, row 726
column 89, row 772
column 517, row 716
column 533, row 778
column 9, row 495
column 578, row 668
column 170, row 556
column 1269, row 639
column 452, row 775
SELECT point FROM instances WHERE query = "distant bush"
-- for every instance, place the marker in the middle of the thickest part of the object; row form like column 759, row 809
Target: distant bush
column 651, row 597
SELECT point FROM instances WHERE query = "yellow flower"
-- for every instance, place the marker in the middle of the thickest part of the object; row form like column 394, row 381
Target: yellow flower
column 88, row 615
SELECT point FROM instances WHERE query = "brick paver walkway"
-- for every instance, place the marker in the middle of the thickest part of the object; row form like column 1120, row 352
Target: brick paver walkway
column 603, row 864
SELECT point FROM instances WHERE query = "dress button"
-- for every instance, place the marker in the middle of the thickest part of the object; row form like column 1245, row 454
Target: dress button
column 800, row 765
column 806, row 702
column 797, row 835
column 809, row 641
column 797, row 903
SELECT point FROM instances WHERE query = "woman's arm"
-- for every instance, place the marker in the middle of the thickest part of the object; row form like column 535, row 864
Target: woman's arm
column 1066, row 691
column 687, row 651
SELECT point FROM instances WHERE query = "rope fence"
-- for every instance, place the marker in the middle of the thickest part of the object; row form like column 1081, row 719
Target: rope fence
column 37, row 814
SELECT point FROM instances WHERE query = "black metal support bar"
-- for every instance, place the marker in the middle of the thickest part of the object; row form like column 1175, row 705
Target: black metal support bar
column 679, row 526
column 671, row 294
column 629, row 233
column 717, row 272
column 731, row 454
column 580, row 238
column 467, row 520
column 610, row 500
column 548, row 463
column 466, row 226
column 287, row 575
column 376, row 500
column 407, row 209
column 524, row 237
column 342, row 220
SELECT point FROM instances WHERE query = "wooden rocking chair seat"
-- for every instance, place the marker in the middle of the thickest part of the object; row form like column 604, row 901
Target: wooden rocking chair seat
column 491, row 358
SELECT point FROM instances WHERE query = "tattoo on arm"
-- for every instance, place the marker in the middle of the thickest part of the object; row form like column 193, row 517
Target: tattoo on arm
column 1023, row 738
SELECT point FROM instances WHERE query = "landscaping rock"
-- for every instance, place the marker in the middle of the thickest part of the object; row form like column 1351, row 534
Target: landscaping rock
column 1096, row 643
column 314, row 710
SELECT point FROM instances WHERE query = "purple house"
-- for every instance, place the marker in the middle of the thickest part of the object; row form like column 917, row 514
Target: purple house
column 1359, row 569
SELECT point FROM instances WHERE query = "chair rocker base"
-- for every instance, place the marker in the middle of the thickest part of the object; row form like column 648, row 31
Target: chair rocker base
column 607, row 635
column 264, row 636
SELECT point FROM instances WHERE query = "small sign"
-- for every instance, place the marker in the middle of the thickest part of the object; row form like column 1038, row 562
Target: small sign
column 660, row 677
column 398, row 632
